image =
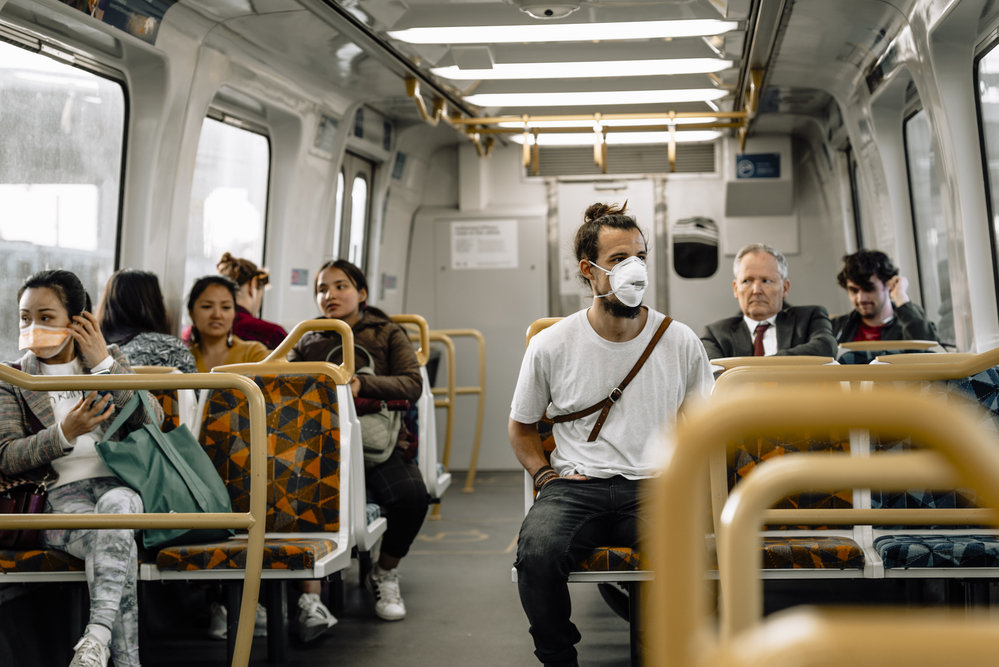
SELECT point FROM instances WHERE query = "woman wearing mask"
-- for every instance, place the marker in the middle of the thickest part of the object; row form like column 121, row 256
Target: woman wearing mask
column 49, row 437
column 133, row 317
column 212, row 307
column 396, row 484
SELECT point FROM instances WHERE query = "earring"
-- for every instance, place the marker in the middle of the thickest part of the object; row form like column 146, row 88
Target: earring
column 228, row 340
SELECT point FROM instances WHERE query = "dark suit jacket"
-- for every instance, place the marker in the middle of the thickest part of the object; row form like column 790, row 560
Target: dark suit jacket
column 802, row 330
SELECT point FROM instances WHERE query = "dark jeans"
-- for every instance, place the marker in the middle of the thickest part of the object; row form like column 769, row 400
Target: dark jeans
column 398, row 487
column 568, row 521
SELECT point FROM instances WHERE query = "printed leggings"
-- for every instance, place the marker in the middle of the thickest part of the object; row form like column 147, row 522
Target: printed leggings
column 110, row 555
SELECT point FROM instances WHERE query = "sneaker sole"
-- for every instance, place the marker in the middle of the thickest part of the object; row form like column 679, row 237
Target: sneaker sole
column 390, row 618
column 314, row 632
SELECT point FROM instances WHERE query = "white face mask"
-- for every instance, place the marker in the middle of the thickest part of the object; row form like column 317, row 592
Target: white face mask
column 45, row 342
column 628, row 280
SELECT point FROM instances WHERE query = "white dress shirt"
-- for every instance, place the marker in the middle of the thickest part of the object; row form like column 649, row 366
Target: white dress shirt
column 769, row 336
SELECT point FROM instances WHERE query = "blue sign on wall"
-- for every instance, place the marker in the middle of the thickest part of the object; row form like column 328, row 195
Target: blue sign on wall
column 757, row 165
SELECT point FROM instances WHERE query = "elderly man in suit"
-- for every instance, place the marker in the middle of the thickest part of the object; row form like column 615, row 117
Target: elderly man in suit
column 767, row 326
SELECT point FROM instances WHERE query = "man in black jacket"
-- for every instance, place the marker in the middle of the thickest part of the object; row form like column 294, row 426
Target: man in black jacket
column 767, row 326
column 882, row 310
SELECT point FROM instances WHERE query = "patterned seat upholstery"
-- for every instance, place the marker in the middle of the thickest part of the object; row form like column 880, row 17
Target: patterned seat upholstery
column 303, row 472
column 613, row 559
column 945, row 551
column 279, row 554
column 171, row 407
column 745, row 454
column 935, row 550
column 38, row 560
column 813, row 552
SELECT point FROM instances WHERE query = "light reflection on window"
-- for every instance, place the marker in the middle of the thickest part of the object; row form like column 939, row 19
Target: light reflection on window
column 358, row 220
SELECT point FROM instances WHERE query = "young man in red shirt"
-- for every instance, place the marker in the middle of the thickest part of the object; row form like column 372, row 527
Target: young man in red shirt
column 881, row 307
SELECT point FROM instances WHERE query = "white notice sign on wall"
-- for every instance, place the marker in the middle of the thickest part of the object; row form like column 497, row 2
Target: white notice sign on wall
column 484, row 244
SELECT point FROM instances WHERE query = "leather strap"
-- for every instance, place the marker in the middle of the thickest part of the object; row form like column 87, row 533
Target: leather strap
column 605, row 405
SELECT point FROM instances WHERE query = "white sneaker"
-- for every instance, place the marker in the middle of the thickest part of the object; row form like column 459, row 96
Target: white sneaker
column 90, row 653
column 218, row 624
column 388, row 600
column 313, row 617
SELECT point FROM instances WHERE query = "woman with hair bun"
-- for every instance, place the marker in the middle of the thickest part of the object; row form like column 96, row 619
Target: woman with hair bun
column 249, row 297
column 49, row 438
column 212, row 307
column 132, row 315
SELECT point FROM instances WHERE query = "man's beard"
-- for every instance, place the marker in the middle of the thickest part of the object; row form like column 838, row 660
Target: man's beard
column 619, row 310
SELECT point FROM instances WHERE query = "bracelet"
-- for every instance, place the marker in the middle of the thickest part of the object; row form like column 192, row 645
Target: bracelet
column 541, row 470
column 548, row 476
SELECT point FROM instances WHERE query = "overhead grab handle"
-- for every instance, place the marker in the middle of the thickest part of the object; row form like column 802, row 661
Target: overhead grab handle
column 440, row 106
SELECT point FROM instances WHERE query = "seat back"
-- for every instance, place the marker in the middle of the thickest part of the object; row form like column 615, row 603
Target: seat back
column 170, row 402
column 303, row 450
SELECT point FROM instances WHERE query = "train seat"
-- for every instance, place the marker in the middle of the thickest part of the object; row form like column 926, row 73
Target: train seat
column 789, row 551
column 912, row 550
column 308, row 500
column 38, row 561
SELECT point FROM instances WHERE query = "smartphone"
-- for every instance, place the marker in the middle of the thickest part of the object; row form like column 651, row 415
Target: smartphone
column 100, row 394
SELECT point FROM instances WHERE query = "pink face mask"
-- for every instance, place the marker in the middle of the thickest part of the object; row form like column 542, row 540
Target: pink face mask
column 45, row 342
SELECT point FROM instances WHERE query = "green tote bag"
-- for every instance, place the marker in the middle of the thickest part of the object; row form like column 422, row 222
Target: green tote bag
column 170, row 471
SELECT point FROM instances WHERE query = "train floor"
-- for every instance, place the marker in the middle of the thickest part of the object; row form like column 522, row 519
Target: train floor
column 462, row 607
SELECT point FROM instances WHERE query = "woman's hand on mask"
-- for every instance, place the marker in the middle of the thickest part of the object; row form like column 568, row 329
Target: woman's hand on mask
column 89, row 340
column 86, row 415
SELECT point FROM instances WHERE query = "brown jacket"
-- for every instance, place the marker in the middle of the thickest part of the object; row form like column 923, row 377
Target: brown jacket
column 29, row 439
column 398, row 372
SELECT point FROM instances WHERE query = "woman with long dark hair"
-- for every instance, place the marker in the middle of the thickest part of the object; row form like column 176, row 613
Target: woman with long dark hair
column 212, row 307
column 133, row 316
column 50, row 437
column 395, row 483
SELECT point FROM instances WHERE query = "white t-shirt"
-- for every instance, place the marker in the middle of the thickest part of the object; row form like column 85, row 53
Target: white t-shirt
column 569, row 367
column 82, row 462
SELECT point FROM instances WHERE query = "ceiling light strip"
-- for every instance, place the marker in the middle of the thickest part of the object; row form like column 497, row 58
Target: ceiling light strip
column 595, row 117
column 611, row 128
column 586, row 70
column 564, row 32
column 597, row 98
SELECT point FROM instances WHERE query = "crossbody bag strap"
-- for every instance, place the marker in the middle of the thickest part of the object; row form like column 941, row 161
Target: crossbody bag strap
column 605, row 405
column 125, row 413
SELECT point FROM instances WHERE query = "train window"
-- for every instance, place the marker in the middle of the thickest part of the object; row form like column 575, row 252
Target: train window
column 930, row 230
column 987, row 80
column 62, row 137
column 358, row 220
column 338, row 215
column 228, row 198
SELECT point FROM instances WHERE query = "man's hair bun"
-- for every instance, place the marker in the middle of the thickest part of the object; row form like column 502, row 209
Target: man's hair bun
column 597, row 211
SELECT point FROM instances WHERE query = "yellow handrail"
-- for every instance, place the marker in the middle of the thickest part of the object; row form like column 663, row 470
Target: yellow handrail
column 280, row 353
column 929, row 372
column 422, row 354
column 539, row 325
column 923, row 358
column 451, row 392
column 770, row 362
column 677, row 606
column 152, row 370
column 253, row 521
column 865, row 345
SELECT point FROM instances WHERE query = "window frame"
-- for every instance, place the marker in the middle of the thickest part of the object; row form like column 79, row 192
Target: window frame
column 909, row 114
column 220, row 116
column 983, row 51
column 851, row 172
column 45, row 49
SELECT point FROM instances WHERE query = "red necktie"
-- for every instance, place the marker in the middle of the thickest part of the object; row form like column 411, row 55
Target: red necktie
column 758, row 341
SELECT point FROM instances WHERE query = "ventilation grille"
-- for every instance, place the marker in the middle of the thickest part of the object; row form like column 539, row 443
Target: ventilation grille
column 578, row 160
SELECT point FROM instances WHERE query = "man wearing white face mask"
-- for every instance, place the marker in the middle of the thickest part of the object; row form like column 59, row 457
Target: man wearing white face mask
column 611, row 378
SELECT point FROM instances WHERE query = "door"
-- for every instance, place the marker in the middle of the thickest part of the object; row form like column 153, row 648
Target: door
column 573, row 199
